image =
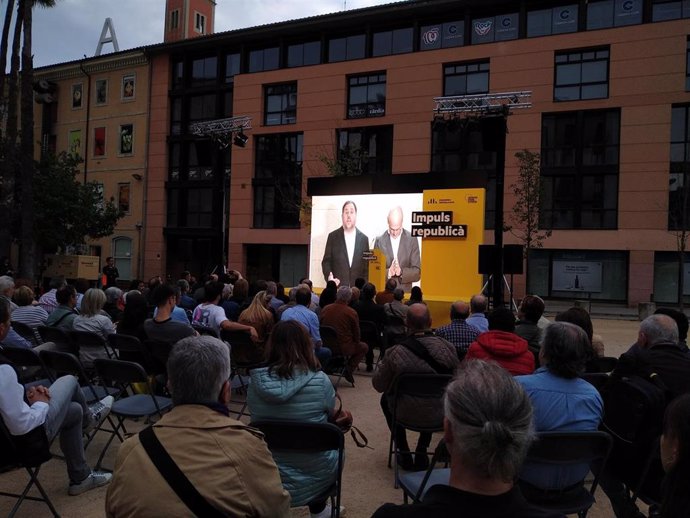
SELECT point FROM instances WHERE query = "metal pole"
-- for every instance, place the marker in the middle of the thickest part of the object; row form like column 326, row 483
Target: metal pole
column 497, row 295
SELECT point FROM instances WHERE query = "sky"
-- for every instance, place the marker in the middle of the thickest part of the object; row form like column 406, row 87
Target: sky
column 73, row 27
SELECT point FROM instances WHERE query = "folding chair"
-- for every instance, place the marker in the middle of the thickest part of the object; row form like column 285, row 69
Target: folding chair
column 296, row 437
column 416, row 483
column 338, row 364
column 392, row 335
column 59, row 337
column 130, row 348
column 562, row 451
column 428, row 389
column 59, row 363
column 244, row 356
column 27, row 364
column 29, row 451
column 604, row 363
column 124, row 374
column 204, row 330
column 26, row 332
column 370, row 335
column 91, row 346
column 597, row 379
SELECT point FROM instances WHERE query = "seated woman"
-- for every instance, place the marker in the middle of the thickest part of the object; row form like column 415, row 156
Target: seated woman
column 135, row 314
column 675, row 457
column 92, row 318
column 26, row 312
column 259, row 317
column 292, row 388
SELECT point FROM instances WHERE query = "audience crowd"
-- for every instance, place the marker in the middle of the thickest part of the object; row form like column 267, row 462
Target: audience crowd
column 512, row 377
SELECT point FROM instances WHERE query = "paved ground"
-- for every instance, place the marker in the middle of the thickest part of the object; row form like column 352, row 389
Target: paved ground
column 367, row 482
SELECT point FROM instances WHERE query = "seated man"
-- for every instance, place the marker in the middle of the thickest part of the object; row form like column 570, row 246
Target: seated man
column 405, row 358
column 47, row 300
column 396, row 313
column 162, row 327
column 302, row 314
column 459, row 332
column 225, row 460
column 562, row 401
column 478, row 307
column 61, row 410
column 178, row 313
column 368, row 310
column 487, row 430
column 210, row 314
column 63, row 316
column 530, row 312
column 385, row 296
column 345, row 321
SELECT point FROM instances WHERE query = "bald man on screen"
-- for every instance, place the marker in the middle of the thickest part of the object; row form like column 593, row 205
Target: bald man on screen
column 401, row 250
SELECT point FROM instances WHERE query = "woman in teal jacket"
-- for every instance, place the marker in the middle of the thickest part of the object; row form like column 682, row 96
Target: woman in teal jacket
column 292, row 388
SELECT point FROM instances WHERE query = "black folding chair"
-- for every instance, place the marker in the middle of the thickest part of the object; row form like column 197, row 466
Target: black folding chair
column 603, row 363
column 563, row 451
column 130, row 348
column 393, row 332
column 306, row 438
column 91, row 346
column 338, row 364
column 416, row 483
column 428, row 390
column 27, row 364
column 26, row 332
column 124, row 374
column 29, row 451
column 245, row 355
column 597, row 379
column 62, row 340
column 59, row 364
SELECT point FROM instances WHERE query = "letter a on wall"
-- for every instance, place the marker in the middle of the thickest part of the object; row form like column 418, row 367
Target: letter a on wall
column 107, row 36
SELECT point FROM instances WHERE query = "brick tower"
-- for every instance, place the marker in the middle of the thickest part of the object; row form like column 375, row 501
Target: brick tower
column 188, row 19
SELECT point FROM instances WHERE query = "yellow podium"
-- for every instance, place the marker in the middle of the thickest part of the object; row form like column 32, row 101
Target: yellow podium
column 377, row 268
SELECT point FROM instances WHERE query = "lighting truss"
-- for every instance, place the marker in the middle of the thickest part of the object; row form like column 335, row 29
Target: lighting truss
column 222, row 130
column 483, row 104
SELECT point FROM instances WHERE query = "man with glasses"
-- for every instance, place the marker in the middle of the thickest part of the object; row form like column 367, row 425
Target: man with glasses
column 401, row 249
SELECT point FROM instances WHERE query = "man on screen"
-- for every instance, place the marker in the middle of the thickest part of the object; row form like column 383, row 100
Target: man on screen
column 401, row 249
column 343, row 258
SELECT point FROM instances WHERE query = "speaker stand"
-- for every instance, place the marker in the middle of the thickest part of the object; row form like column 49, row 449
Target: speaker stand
column 508, row 287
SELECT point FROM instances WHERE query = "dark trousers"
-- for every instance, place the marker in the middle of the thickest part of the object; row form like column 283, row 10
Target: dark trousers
column 400, row 434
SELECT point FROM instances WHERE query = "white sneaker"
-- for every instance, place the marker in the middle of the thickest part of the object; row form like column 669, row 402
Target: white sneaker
column 95, row 479
column 326, row 513
column 99, row 411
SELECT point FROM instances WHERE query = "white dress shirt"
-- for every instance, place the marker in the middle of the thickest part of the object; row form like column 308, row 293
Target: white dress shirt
column 350, row 245
column 19, row 417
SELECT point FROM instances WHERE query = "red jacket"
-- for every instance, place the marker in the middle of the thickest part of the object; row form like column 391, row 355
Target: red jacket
column 507, row 349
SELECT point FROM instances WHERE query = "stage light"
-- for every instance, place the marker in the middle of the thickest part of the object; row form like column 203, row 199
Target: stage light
column 240, row 139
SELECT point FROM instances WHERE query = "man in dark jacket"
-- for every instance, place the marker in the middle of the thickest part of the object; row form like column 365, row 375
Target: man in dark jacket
column 370, row 311
column 531, row 310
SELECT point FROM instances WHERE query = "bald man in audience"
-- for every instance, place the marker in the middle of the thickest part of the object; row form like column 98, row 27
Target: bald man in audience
column 460, row 333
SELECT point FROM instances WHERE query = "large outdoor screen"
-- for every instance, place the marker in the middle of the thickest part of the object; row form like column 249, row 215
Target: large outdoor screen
column 331, row 251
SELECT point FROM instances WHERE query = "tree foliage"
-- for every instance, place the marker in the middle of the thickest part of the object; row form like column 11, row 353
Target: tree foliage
column 347, row 162
column 67, row 211
column 528, row 192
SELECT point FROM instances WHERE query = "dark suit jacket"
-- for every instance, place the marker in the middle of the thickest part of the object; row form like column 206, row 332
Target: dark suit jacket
column 408, row 257
column 335, row 258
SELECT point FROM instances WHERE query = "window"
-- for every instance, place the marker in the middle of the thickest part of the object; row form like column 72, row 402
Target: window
column 199, row 207
column 74, row 143
column 178, row 74
column 204, row 71
column 123, row 191
column 174, row 19
column 679, row 181
column 466, row 78
column 442, row 35
column 556, row 20
column 126, row 139
column 498, row 28
column 349, row 47
column 99, row 142
column 200, row 160
column 367, row 150
column 366, row 96
column 609, row 13
column 122, row 254
column 580, row 169
column 398, row 41
column 264, row 59
column 280, row 105
column 101, row 91
column 670, row 10
column 687, row 66
column 278, row 181
column 302, row 54
column 202, row 107
column 200, row 23
column 582, row 74
column 232, row 66
column 77, row 95
column 129, row 86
